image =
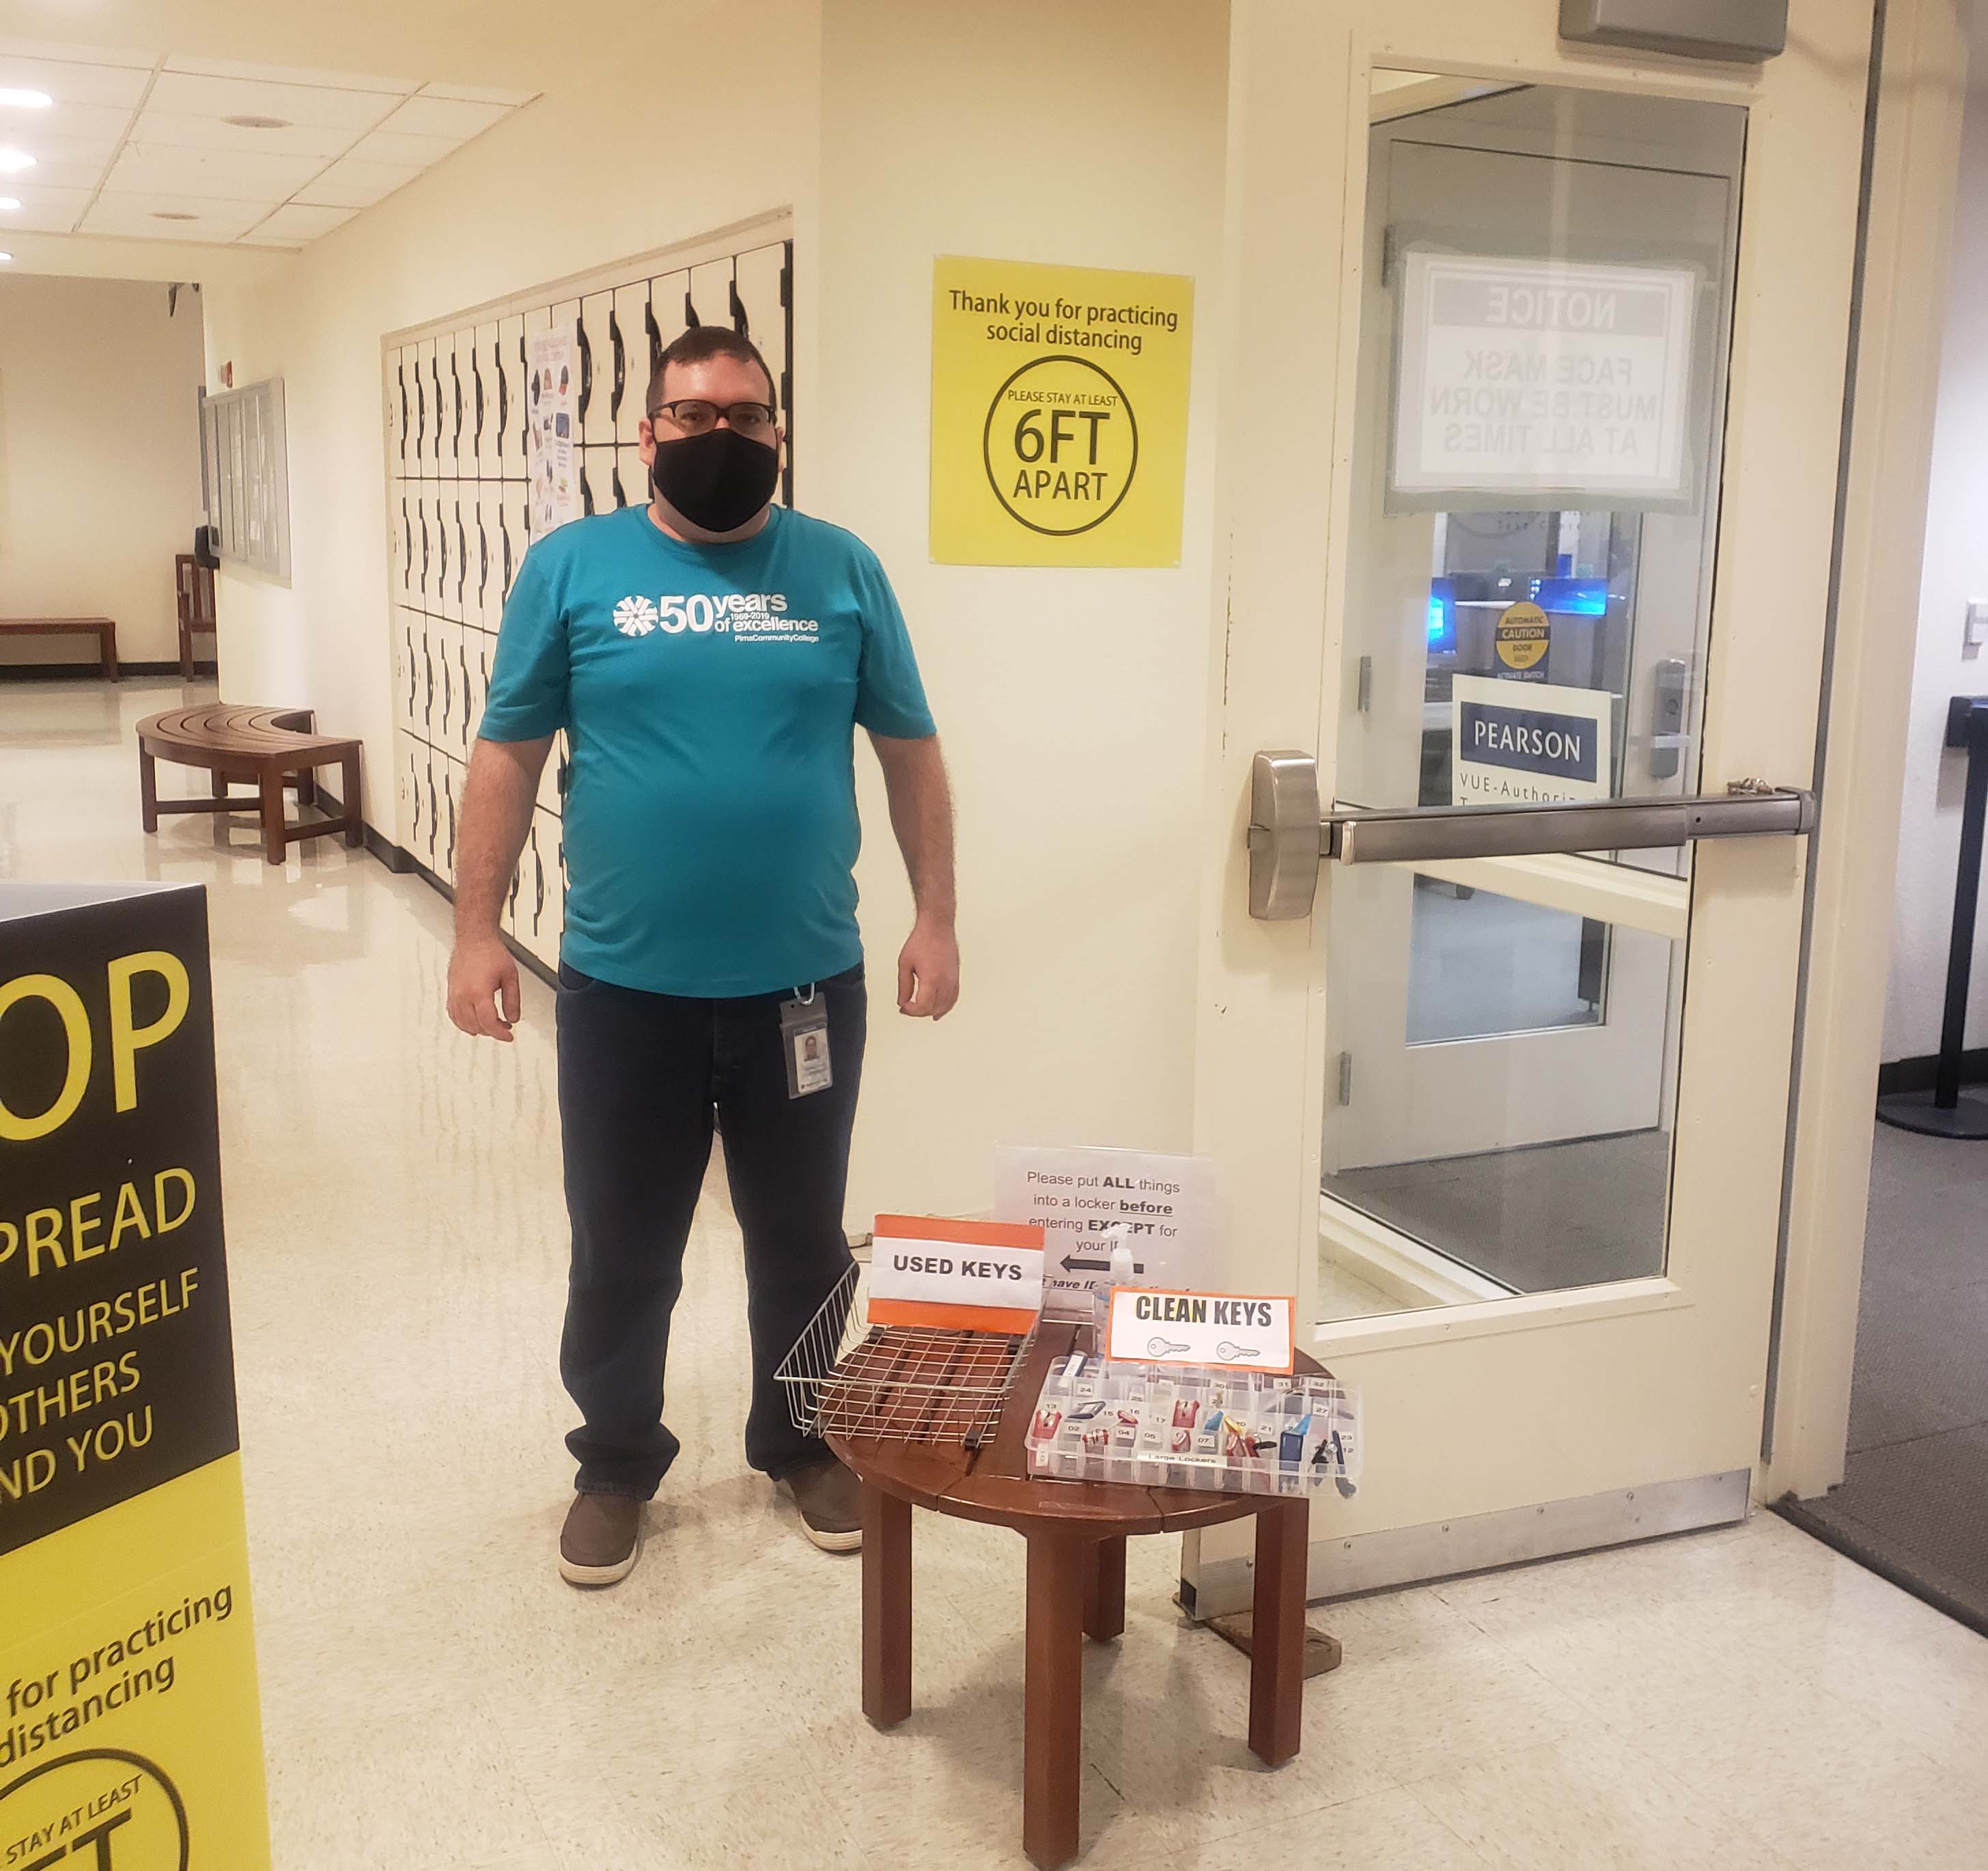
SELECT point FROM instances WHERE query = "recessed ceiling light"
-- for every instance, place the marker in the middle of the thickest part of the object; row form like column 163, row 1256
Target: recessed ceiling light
column 4, row 258
column 172, row 214
column 13, row 161
column 25, row 100
column 256, row 122
column 8, row 204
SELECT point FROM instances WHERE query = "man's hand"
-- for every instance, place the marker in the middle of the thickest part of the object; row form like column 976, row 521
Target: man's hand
column 929, row 971
column 483, row 988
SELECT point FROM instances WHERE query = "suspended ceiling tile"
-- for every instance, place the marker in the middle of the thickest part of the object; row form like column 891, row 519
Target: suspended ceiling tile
column 394, row 146
column 295, row 223
column 349, row 182
column 174, row 217
column 65, row 122
column 60, row 162
column 171, row 129
column 75, row 84
column 478, row 94
column 456, row 118
column 223, row 175
column 42, row 211
column 193, row 94
column 67, row 54
column 293, row 74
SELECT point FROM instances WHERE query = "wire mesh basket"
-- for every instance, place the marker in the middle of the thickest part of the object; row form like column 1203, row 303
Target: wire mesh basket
column 896, row 1383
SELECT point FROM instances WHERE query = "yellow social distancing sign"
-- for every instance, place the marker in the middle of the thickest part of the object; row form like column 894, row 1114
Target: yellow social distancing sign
column 1059, row 399
column 130, row 1734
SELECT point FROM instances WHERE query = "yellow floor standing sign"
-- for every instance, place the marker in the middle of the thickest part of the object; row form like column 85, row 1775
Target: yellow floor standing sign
column 130, row 1737
column 1059, row 428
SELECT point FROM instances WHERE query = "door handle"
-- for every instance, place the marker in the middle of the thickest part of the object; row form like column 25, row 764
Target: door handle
column 586, row 367
column 1289, row 835
column 476, row 373
column 620, row 366
column 503, row 404
column 434, row 370
column 655, row 337
column 455, row 384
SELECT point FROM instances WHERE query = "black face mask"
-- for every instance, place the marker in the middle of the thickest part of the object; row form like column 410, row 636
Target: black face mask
column 717, row 481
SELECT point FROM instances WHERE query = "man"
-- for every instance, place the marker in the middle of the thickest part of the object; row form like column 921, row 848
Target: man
column 710, row 656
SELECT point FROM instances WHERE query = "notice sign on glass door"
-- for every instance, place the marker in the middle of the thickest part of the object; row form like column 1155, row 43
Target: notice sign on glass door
column 1059, row 415
column 1520, row 377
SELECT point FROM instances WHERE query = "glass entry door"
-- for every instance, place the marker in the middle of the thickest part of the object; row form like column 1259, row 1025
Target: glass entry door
column 1542, row 349
column 1529, row 441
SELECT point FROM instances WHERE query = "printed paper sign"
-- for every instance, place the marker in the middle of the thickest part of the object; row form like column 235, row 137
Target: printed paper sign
column 1237, row 1332
column 973, row 1276
column 1059, row 433
column 1077, row 1196
column 129, row 1731
column 552, row 396
column 1516, row 741
column 1534, row 376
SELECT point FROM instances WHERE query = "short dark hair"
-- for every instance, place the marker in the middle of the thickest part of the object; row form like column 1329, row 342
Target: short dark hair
column 697, row 345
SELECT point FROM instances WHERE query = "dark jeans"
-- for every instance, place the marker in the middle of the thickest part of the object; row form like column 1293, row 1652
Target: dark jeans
column 639, row 1075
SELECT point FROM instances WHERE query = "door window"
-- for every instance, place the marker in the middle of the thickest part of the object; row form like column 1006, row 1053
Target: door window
column 1544, row 332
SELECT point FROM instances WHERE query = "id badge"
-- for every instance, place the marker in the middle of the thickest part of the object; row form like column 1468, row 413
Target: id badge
column 804, row 1040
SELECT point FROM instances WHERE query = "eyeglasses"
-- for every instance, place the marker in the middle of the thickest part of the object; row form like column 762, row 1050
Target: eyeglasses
column 696, row 416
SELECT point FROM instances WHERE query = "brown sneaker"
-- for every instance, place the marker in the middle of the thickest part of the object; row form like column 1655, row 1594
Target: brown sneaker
column 601, row 1540
column 831, row 1499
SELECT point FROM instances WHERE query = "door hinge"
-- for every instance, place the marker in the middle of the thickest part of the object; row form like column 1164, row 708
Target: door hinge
column 1362, row 700
column 1346, row 1078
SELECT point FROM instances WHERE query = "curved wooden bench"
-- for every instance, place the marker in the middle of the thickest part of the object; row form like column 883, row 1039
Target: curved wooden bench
column 268, row 748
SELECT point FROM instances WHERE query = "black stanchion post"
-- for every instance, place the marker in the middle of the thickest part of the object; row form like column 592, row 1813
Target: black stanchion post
column 1943, row 1112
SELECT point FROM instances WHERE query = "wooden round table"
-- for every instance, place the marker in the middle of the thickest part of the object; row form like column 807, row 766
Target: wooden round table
column 1076, row 1532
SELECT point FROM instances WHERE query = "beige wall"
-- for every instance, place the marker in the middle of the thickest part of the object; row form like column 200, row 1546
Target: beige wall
column 600, row 172
column 1073, row 705
column 99, row 460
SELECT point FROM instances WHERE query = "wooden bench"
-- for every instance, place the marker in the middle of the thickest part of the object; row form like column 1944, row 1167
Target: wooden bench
column 268, row 748
column 101, row 628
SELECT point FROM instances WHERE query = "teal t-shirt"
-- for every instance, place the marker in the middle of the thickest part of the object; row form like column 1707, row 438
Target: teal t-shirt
column 710, row 695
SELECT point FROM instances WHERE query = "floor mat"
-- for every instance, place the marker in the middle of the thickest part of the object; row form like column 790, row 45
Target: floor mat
column 1914, row 1502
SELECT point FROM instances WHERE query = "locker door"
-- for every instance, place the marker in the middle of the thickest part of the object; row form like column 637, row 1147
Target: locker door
column 420, row 546
column 631, row 477
column 668, row 297
column 511, row 397
column 512, row 536
column 460, row 520
column 603, row 368
column 421, row 361
column 762, row 292
column 479, row 647
column 632, row 362
column 475, row 353
column 395, row 388
column 553, row 780
column 477, row 592
column 407, row 805
column 441, row 352
column 421, row 845
column 441, row 656
column 596, row 479
column 542, row 892
column 407, row 669
column 712, row 298
column 401, row 540
column 448, row 809
column 427, row 698
column 448, row 384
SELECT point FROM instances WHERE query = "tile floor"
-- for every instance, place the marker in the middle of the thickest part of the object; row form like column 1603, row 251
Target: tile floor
column 434, row 1696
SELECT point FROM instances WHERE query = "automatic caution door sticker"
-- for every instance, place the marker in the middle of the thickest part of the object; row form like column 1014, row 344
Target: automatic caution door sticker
column 1059, row 415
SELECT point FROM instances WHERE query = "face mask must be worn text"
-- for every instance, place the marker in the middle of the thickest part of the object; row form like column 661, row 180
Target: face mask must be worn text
column 717, row 481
